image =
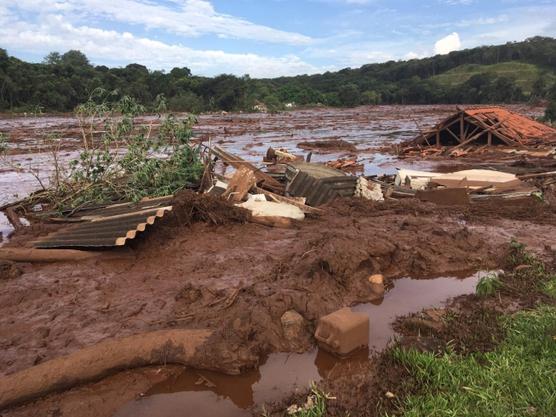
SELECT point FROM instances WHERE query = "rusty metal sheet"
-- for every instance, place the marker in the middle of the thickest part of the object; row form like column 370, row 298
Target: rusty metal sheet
column 107, row 231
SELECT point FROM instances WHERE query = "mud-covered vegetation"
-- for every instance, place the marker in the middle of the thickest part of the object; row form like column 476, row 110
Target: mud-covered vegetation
column 119, row 158
column 514, row 72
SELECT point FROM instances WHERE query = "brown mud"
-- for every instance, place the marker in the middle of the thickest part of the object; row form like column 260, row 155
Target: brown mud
column 213, row 271
column 466, row 325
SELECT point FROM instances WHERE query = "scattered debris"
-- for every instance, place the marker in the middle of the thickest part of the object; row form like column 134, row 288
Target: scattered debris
column 469, row 130
column 271, row 209
column 240, row 184
column 263, row 180
column 343, row 331
column 318, row 183
column 479, row 183
column 368, row 190
column 328, row 145
column 346, row 164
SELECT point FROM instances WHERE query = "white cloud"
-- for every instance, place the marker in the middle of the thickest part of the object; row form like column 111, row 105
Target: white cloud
column 447, row 44
column 186, row 18
column 112, row 47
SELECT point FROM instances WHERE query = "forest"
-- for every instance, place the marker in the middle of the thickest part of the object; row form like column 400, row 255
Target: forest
column 509, row 73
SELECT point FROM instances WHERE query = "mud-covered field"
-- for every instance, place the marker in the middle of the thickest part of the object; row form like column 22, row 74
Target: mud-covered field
column 237, row 279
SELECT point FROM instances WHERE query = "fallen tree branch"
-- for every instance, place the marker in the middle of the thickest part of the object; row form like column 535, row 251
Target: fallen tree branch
column 163, row 347
column 13, row 218
column 45, row 255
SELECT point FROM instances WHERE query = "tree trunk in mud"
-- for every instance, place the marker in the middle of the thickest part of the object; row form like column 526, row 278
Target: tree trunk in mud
column 92, row 363
column 45, row 255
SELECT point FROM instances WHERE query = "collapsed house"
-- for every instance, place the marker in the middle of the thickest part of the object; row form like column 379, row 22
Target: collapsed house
column 485, row 126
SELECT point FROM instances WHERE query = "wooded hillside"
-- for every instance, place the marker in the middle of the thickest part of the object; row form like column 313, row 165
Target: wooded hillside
column 513, row 72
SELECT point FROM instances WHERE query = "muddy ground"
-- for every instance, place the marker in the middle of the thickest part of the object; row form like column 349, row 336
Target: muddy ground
column 238, row 279
column 219, row 272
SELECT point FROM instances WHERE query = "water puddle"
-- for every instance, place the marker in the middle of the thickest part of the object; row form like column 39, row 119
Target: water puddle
column 207, row 394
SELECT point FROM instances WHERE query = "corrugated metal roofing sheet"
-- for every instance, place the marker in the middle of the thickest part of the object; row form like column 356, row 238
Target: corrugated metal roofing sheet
column 104, row 231
column 319, row 184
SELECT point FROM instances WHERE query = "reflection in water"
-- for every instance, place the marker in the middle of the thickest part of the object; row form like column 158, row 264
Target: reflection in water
column 207, row 394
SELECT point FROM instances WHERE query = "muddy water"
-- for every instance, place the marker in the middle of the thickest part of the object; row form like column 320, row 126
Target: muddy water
column 206, row 394
column 369, row 128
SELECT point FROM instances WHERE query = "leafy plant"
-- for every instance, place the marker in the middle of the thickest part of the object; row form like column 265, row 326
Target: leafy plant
column 315, row 406
column 488, row 285
column 520, row 256
column 127, row 160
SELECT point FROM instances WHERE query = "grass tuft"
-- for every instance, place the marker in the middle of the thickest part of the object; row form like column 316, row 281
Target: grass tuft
column 315, row 406
column 488, row 285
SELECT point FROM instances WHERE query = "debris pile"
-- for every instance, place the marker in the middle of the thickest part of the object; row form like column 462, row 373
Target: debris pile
column 474, row 130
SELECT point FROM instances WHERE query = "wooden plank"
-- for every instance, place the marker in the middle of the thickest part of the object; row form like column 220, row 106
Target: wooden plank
column 281, row 199
column 265, row 180
column 474, row 138
column 537, row 175
column 453, row 134
column 13, row 218
column 461, row 127
column 243, row 180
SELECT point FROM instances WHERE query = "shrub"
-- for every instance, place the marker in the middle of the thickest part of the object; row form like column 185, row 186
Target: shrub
column 488, row 285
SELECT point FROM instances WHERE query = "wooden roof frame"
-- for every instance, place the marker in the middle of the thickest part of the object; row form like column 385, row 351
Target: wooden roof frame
column 471, row 128
column 493, row 125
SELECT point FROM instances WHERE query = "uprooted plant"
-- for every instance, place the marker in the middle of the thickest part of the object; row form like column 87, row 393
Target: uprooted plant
column 122, row 159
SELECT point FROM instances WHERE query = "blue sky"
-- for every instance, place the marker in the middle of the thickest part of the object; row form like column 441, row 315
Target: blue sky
column 264, row 38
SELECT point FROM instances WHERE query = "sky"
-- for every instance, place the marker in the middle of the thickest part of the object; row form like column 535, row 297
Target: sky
column 264, row 38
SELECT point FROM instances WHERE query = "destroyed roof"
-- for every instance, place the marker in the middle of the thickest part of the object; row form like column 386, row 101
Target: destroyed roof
column 516, row 124
column 490, row 126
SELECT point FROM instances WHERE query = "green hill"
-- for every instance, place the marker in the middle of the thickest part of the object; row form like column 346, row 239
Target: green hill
column 522, row 74
column 509, row 73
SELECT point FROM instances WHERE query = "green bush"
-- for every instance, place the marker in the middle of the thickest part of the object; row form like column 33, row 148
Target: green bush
column 128, row 160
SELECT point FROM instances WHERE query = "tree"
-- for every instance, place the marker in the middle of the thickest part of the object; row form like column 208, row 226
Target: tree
column 550, row 112
column 53, row 58
column 349, row 95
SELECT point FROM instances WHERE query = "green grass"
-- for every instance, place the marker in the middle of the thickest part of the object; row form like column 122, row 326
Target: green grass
column 517, row 379
column 315, row 406
column 523, row 74
column 549, row 287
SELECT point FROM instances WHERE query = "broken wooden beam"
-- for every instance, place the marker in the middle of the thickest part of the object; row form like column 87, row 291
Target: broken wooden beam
column 264, row 180
column 243, row 180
